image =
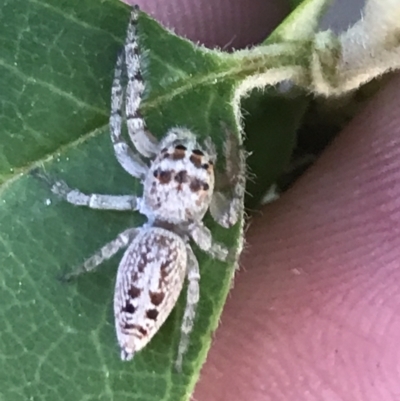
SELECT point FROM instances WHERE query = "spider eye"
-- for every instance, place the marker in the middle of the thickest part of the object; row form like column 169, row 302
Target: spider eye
column 180, row 147
column 198, row 152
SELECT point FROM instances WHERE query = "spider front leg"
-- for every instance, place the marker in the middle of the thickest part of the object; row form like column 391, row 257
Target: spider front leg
column 192, row 299
column 144, row 142
column 227, row 202
column 93, row 201
column 127, row 158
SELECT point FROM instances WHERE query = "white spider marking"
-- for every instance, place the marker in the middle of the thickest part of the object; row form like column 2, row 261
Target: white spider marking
column 178, row 189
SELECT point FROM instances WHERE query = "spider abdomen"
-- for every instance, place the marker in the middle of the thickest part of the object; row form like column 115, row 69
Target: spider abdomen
column 149, row 280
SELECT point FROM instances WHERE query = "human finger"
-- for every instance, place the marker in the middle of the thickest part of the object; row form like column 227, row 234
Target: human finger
column 223, row 23
column 314, row 314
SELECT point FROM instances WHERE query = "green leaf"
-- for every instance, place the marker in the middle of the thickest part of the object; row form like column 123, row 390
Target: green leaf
column 302, row 23
column 272, row 119
column 295, row 3
column 271, row 126
column 58, row 340
column 56, row 66
column 54, row 76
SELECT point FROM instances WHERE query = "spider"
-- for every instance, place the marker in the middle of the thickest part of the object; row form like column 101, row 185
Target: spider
column 178, row 189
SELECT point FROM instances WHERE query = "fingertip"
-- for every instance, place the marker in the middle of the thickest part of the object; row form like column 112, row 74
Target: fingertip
column 313, row 310
column 224, row 23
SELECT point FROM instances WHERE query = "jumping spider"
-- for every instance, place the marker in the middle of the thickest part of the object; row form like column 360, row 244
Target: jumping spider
column 178, row 189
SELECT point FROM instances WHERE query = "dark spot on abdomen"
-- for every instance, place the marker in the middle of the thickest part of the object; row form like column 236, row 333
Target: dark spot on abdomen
column 134, row 292
column 156, row 298
column 142, row 331
column 129, row 308
column 152, row 314
column 131, row 326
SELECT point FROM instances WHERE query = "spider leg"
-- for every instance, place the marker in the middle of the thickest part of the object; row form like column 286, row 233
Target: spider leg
column 129, row 160
column 211, row 149
column 143, row 140
column 226, row 209
column 227, row 202
column 201, row 235
column 104, row 253
column 93, row 201
column 192, row 299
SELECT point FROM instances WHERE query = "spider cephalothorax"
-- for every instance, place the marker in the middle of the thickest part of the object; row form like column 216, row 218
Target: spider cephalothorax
column 181, row 174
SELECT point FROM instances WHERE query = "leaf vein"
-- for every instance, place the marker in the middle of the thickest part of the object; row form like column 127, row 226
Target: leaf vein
column 21, row 171
column 51, row 87
column 103, row 365
column 77, row 21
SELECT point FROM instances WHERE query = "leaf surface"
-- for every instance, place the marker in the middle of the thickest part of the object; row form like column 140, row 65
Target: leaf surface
column 57, row 61
column 56, row 67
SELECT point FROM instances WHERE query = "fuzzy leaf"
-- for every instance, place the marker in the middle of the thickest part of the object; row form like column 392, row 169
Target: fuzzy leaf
column 302, row 23
column 272, row 119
